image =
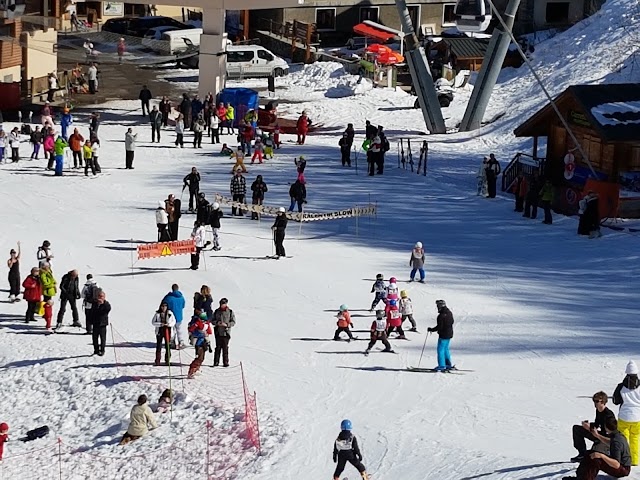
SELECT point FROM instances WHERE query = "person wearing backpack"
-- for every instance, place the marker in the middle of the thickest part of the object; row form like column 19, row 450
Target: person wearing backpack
column 89, row 296
column 69, row 292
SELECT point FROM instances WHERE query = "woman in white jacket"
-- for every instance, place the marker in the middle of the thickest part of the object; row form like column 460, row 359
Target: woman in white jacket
column 627, row 395
column 140, row 419
column 162, row 221
column 14, row 142
column 198, row 235
column 164, row 321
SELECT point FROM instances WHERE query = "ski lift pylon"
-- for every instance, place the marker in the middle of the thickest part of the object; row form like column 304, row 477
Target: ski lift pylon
column 472, row 15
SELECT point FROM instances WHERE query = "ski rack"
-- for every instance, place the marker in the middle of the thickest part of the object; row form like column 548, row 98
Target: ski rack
column 405, row 156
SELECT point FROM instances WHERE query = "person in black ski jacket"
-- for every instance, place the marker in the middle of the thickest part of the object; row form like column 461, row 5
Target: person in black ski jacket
column 238, row 191
column 193, row 182
column 155, row 118
column 298, row 194
column 100, row 309
column 185, row 109
column 145, row 97
column 591, row 430
column 69, row 292
column 444, row 328
column 215, row 214
column 346, row 449
column 345, row 149
column 278, row 228
column 531, row 198
column 202, row 209
column 258, row 189
column 369, row 130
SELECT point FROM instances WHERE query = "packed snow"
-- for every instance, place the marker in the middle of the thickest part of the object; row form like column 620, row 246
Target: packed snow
column 543, row 317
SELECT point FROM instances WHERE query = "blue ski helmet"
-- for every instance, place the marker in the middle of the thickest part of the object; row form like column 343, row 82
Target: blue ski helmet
column 345, row 425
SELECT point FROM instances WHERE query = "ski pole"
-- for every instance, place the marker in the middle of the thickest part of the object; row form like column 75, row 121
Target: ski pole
column 423, row 347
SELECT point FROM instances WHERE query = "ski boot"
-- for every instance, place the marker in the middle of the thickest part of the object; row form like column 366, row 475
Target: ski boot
column 414, row 329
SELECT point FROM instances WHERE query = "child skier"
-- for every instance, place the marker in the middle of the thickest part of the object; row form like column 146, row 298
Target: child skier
column 48, row 314
column 239, row 165
column 416, row 262
column 199, row 331
column 344, row 322
column 269, row 143
column 276, row 136
column 392, row 289
column 4, row 437
column 379, row 332
column 345, row 449
column 380, row 290
column 406, row 310
column 257, row 150
column 394, row 319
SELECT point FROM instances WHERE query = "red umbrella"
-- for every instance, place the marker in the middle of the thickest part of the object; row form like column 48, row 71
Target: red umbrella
column 390, row 58
column 378, row 49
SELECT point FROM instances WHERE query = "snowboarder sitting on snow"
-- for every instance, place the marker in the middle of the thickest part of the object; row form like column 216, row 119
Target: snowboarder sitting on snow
column 394, row 319
column 226, row 151
column 445, row 334
column 406, row 310
column 379, row 332
column 380, row 289
column 199, row 331
column 165, row 401
column 344, row 322
column 4, row 437
column 345, row 449
column 140, row 419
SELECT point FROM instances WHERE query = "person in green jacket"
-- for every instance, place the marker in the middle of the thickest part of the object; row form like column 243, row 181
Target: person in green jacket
column 48, row 282
column 546, row 197
column 58, row 148
column 230, row 117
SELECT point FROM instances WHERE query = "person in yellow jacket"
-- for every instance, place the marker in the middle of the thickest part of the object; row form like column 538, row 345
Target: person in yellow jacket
column 239, row 165
column 230, row 117
column 87, row 153
column 47, row 281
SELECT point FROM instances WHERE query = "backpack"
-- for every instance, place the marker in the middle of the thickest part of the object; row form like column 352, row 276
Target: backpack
column 92, row 293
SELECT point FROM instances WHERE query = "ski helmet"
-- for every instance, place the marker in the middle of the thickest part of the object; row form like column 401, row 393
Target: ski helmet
column 343, row 307
column 203, row 316
column 216, row 205
column 393, row 302
column 403, row 294
column 392, row 280
column 281, row 210
column 346, row 425
column 379, row 276
column 5, row 428
column 440, row 304
column 418, row 244
column 46, row 244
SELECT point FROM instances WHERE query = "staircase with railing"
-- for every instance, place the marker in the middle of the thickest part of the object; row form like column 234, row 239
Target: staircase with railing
column 521, row 163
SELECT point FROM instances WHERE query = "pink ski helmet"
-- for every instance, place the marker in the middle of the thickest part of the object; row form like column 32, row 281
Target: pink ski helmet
column 392, row 280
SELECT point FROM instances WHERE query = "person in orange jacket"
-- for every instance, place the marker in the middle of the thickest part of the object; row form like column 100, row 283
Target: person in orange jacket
column 344, row 322
column 302, row 127
column 76, row 142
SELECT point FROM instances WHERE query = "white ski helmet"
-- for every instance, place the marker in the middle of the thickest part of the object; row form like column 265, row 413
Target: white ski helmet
column 281, row 210
column 216, row 205
column 418, row 245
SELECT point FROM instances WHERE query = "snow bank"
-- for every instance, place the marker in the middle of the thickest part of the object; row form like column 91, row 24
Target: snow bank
column 327, row 79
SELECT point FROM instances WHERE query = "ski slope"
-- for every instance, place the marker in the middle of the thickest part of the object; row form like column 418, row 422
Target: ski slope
column 544, row 318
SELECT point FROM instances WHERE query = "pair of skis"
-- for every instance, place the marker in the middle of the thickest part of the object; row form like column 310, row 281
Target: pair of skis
column 453, row 370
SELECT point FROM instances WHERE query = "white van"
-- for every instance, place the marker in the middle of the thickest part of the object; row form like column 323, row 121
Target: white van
column 246, row 61
column 178, row 41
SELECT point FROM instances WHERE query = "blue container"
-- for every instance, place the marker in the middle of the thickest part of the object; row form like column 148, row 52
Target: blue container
column 242, row 100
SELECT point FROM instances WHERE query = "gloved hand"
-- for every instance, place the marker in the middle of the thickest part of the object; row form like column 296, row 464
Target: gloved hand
column 431, row 329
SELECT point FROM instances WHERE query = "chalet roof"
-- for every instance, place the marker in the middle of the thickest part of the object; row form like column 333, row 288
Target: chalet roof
column 613, row 110
column 466, row 48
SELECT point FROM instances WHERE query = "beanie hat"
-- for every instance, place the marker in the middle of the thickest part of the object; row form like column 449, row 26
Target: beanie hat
column 632, row 368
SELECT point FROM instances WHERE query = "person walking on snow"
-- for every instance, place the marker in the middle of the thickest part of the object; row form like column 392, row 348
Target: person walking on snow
column 4, row 437
column 121, row 49
column 198, row 234
column 302, row 127
column 145, row 97
column 346, row 449
column 258, row 148
column 164, row 321
column 36, row 141
column 66, row 120
column 176, row 303
column 69, row 292
column 130, row 148
column 546, row 197
column 344, row 322
column 627, row 395
column 44, row 254
column 345, row 149
column 258, row 189
column 379, row 332
column 223, row 320
column 14, row 274
column 89, row 295
column 379, row 288
column 155, row 118
column 444, row 328
column 416, row 262
column 198, row 129
column 32, row 294
column 14, row 143
column 162, row 222
column 173, row 205
column 214, row 221
column 99, row 322
column 493, row 171
column 238, row 189
column 278, row 228
column 192, row 181
column 406, row 310
column 48, row 282
column 298, row 194
column 75, row 143
column 199, row 331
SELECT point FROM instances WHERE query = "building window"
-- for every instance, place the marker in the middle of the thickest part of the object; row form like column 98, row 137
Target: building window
column 557, row 13
column 6, row 31
column 414, row 13
column 448, row 15
column 325, row 19
column 369, row 13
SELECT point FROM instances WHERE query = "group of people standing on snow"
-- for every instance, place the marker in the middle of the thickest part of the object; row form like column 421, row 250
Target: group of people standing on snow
column 376, row 146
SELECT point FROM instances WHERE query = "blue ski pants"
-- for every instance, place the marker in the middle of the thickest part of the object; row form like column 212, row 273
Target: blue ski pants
column 413, row 273
column 444, row 357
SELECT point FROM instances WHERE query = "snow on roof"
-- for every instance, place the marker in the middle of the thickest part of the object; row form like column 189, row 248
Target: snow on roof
column 617, row 113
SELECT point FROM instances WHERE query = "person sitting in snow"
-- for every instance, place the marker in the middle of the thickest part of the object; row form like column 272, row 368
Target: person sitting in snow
column 380, row 290
column 140, row 419
column 226, row 151
column 344, row 322
column 165, row 401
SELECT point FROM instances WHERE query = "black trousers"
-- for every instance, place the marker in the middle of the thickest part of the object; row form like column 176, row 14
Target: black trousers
column 342, row 462
column 372, row 166
column 163, row 232
column 491, row 184
column 99, row 335
column 165, row 119
column 192, row 195
column 173, row 229
column 180, row 139
column 155, row 130
column 77, row 158
column 397, row 329
column 382, row 336
column 197, row 140
column 164, row 335
column 195, row 258
column 89, row 164
column 336, row 336
column 51, row 160
column 215, row 135
column 548, row 218
column 63, row 309
column 237, row 197
column 31, row 311
column 50, row 95
column 15, row 154
column 519, row 204
column 129, row 159
column 346, row 157
column 222, row 346
column 92, row 87
column 380, row 163
column 87, row 320
column 145, row 104
column 14, row 285
column 580, row 434
column 278, row 239
column 530, row 208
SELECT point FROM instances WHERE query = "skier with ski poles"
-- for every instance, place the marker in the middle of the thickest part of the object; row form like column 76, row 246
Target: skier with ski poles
column 445, row 334
column 192, row 181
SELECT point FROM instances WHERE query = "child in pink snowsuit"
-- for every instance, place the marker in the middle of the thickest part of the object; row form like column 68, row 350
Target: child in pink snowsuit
column 257, row 150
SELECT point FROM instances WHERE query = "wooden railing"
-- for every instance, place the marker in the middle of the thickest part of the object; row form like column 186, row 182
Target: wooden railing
column 521, row 163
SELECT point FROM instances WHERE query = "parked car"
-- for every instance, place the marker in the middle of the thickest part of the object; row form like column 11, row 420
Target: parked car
column 138, row 26
column 157, row 38
column 248, row 61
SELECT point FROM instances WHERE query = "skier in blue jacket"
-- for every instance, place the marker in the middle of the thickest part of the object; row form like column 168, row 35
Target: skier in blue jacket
column 175, row 301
